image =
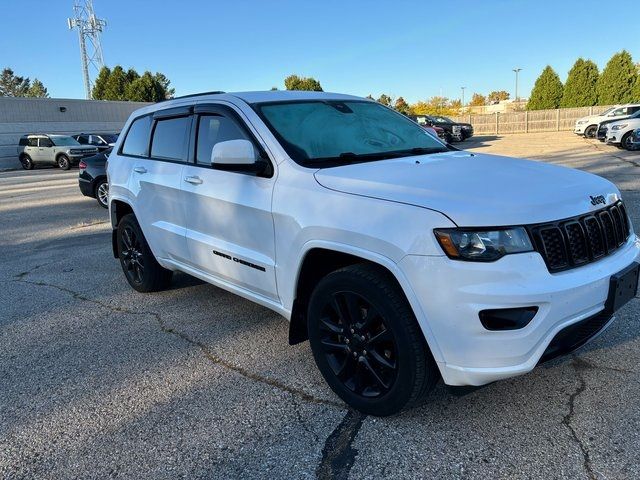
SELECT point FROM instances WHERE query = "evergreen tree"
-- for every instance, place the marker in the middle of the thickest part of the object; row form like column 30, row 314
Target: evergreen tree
column 116, row 84
column 100, row 84
column 580, row 87
column 12, row 85
column 616, row 84
column 547, row 91
column 37, row 90
column 294, row 82
column 402, row 106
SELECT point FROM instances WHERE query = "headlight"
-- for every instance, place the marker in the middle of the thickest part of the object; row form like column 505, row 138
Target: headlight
column 483, row 245
column 619, row 127
column 73, row 152
column 582, row 122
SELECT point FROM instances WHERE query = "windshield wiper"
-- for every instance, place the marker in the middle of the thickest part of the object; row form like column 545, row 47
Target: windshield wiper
column 351, row 157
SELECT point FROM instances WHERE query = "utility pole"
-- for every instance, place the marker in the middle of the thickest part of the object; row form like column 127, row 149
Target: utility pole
column 89, row 29
column 462, row 88
column 517, row 70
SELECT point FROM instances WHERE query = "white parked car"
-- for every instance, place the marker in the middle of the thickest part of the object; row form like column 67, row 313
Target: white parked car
column 588, row 126
column 402, row 260
column 620, row 133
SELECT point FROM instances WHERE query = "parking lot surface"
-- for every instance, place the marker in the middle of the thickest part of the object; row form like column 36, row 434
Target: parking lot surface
column 99, row 381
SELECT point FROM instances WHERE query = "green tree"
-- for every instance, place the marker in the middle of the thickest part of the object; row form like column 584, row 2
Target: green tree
column 294, row 82
column 616, row 84
column 116, row 84
column 12, row 85
column 385, row 100
column 497, row 96
column 37, row 90
column 547, row 91
column 100, row 84
column 402, row 106
column 636, row 90
column 580, row 87
column 477, row 100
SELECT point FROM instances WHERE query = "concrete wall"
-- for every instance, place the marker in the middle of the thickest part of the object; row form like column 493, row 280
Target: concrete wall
column 20, row 116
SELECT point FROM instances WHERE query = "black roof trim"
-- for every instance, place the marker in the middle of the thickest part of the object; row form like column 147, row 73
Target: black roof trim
column 215, row 92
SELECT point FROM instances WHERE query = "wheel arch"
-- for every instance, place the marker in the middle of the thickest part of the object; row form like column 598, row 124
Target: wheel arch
column 320, row 259
column 117, row 210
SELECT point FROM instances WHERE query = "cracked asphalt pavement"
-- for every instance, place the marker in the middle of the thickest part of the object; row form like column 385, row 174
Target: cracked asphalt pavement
column 98, row 381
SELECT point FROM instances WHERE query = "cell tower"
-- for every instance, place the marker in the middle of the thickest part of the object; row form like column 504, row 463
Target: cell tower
column 89, row 29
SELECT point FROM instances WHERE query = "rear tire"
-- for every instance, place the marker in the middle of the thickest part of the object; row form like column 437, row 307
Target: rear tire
column 102, row 193
column 590, row 131
column 63, row 162
column 26, row 162
column 140, row 267
column 367, row 343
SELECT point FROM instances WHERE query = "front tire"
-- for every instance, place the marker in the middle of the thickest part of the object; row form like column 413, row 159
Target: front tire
column 626, row 142
column 140, row 267
column 367, row 343
column 64, row 163
column 590, row 131
column 102, row 193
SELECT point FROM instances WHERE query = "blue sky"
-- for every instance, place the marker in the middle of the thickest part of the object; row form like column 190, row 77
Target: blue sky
column 414, row 49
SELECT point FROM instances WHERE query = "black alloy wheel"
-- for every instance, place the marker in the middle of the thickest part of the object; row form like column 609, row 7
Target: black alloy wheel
column 367, row 343
column 358, row 346
column 141, row 269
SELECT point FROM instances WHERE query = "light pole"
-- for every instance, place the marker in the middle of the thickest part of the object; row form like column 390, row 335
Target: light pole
column 517, row 70
column 462, row 88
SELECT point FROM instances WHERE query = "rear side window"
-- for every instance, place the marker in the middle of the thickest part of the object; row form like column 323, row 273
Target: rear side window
column 137, row 141
column 83, row 139
column 213, row 129
column 171, row 138
column 32, row 141
column 23, row 141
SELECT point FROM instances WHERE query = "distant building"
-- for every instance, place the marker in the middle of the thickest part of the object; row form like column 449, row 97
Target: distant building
column 19, row 116
column 503, row 106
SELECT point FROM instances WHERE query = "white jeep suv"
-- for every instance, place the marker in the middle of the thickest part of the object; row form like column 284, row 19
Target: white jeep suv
column 620, row 133
column 402, row 260
column 588, row 126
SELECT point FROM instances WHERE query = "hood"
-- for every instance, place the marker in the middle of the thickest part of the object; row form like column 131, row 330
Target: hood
column 475, row 190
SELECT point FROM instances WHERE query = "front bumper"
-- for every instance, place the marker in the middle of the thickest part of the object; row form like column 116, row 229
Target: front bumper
column 452, row 293
column 579, row 129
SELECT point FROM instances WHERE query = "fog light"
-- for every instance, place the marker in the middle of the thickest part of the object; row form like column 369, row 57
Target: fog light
column 507, row 318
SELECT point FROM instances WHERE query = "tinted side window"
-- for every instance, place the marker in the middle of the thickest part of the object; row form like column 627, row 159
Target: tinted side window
column 23, row 141
column 82, row 139
column 213, row 129
column 33, row 141
column 137, row 141
column 171, row 138
column 45, row 142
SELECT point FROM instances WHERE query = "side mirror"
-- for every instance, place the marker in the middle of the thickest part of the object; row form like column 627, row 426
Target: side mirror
column 237, row 156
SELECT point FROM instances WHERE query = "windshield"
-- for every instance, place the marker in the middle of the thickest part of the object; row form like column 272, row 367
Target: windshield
column 109, row 138
column 607, row 111
column 64, row 141
column 443, row 120
column 327, row 133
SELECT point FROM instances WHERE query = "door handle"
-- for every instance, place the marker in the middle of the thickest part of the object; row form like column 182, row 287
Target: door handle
column 140, row 170
column 193, row 180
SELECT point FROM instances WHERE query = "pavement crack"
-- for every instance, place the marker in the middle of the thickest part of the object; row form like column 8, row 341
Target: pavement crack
column 338, row 454
column 206, row 351
column 567, row 421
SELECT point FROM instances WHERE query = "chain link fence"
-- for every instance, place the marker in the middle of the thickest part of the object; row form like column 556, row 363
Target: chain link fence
column 559, row 119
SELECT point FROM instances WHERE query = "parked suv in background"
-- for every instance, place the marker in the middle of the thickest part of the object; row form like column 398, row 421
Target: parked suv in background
column 588, row 126
column 620, row 133
column 60, row 150
column 400, row 259
column 628, row 111
column 102, row 141
column 454, row 131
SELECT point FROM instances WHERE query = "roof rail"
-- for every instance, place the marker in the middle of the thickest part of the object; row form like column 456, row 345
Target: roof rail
column 215, row 92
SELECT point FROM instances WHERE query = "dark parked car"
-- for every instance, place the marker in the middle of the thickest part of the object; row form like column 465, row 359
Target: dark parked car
column 93, row 178
column 454, row 131
column 103, row 141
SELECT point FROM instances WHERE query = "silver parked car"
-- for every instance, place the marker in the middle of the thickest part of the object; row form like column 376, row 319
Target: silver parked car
column 60, row 150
